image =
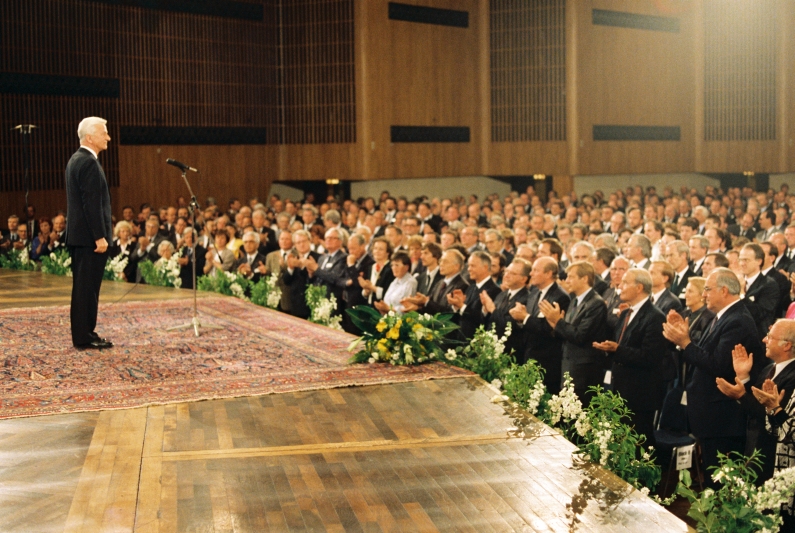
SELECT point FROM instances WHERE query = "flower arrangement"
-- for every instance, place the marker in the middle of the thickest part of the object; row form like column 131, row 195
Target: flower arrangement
column 227, row 283
column 58, row 262
column 161, row 273
column 398, row 339
column 114, row 268
column 485, row 355
column 321, row 309
column 17, row 260
column 524, row 384
column 739, row 505
column 266, row 292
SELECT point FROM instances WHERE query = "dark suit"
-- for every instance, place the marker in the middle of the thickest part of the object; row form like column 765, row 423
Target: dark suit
column 600, row 285
column 784, row 286
column 678, row 286
column 186, row 271
column 332, row 272
column 756, row 435
column 425, row 284
column 353, row 293
column 472, row 315
column 541, row 343
column 637, row 365
column 583, row 325
column 267, row 241
column 612, row 301
column 258, row 258
column 293, row 287
column 668, row 302
column 715, row 419
column 501, row 317
column 761, row 299
column 438, row 297
column 114, row 250
column 88, row 220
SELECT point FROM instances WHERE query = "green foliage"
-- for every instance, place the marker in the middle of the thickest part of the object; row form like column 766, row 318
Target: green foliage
column 738, row 506
column 58, row 262
column 227, row 283
column 485, row 354
column 398, row 339
column 524, row 384
column 266, row 292
column 17, row 260
column 321, row 309
column 161, row 273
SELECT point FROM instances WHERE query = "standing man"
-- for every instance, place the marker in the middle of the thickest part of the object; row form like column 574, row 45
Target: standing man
column 88, row 230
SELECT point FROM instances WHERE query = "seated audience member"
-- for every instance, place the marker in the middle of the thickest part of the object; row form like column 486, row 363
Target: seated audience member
column 779, row 351
column 21, row 241
column 165, row 251
column 450, row 267
column 637, row 352
column 430, row 255
column 381, row 275
column 467, row 304
column 277, row 258
column 252, row 264
column 123, row 245
column 717, row 421
column 186, row 254
column 148, row 243
column 41, row 243
column 403, row 286
column 219, row 258
column 330, row 270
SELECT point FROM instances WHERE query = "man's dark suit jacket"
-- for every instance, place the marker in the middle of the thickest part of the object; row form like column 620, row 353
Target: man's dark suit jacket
column 259, row 258
column 267, row 241
column 756, row 435
column 88, row 201
column 438, row 298
column 186, row 271
column 583, row 325
column 472, row 316
column 638, row 360
column 293, row 287
column 353, row 293
column 678, row 288
column 332, row 273
column 501, row 317
column 711, row 414
column 424, row 285
column 600, row 285
column 784, row 286
column 696, row 271
column 667, row 302
column 761, row 300
column 540, row 341
column 612, row 301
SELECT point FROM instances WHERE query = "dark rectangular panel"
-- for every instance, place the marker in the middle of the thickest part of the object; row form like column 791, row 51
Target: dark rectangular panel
column 213, row 8
column 430, row 134
column 47, row 85
column 636, row 133
column 621, row 19
column 428, row 15
column 164, row 135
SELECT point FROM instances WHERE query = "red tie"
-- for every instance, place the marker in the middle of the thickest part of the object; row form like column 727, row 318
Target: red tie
column 624, row 327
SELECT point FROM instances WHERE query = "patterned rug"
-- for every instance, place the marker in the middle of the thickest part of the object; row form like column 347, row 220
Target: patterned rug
column 257, row 351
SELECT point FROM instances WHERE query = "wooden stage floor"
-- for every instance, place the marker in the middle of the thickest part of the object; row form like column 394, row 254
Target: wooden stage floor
column 421, row 456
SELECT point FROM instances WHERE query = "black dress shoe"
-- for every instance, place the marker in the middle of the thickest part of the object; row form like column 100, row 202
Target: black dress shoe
column 95, row 345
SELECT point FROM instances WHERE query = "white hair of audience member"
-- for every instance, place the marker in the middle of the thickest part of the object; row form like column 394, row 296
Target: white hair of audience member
column 253, row 234
column 163, row 246
column 87, row 126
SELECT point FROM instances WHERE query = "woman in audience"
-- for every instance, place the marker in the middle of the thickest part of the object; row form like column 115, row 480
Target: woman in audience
column 403, row 286
column 123, row 245
column 219, row 258
column 41, row 243
column 697, row 314
column 381, row 275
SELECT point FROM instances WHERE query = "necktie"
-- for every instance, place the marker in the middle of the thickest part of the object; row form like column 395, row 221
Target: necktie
column 438, row 291
column 569, row 317
column 624, row 327
column 771, row 373
column 712, row 325
column 534, row 306
column 676, row 284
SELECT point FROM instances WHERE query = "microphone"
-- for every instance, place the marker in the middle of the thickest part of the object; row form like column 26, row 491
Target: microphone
column 182, row 166
column 24, row 128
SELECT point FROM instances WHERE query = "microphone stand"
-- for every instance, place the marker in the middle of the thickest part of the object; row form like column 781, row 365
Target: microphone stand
column 195, row 323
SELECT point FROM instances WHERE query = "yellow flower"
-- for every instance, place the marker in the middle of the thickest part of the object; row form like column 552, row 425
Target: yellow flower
column 393, row 333
column 416, row 327
column 381, row 326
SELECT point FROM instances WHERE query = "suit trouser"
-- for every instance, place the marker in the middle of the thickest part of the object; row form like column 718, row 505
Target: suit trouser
column 87, row 269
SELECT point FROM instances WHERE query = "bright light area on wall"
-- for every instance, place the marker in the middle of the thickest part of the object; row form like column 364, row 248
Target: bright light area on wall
column 539, row 177
column 748, row 173
column 333, row 182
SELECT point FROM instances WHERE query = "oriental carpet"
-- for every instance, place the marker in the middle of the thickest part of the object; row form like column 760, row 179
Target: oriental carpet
column 257, row 351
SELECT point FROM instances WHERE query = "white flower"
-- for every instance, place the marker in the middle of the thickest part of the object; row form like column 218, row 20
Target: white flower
column 450, row 355
column 496, row 383
column 371, row 360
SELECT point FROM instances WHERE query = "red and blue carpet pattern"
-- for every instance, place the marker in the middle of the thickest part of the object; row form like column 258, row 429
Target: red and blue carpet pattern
column 257, row 351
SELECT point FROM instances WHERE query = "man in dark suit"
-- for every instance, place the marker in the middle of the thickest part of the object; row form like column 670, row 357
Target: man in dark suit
column 761, row 292
column 677, row 254
column 662, row 274
column 717, row 421
column 251, row 263
column 612, row 296
column 468, row 305
column 89, row 230
column 430, row 277
column 358, row 264
column 583, row 324
column 331, row 269
column 450, row 267
column 497, row 311
column 779, row 344
column 781, row 280
column 294, row 279
column 636, row 352
column 541, row 343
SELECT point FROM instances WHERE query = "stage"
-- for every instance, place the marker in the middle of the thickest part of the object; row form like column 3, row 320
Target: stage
column 415, row 455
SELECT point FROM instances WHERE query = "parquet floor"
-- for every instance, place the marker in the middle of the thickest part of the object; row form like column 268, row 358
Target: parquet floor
column 422, row 456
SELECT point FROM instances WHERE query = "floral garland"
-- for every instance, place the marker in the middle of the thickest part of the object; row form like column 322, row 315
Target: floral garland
column 227, row 283
column 17, row 260
column 321, row 309
column 739, row 505
column 161, row 273
column 485, row 355
column 114, row 268
column 398, row 339
column 58, row 262
column 266, row 292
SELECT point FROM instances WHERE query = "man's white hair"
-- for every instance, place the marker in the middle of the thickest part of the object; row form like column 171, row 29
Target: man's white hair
column 87, row 125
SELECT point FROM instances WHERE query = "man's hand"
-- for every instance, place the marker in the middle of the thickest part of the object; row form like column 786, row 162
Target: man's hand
column 769, row 396
column 143, row 242
column 311, row 265
column 735, row 392
column 676, row 330
column 742, row 362
column 382, row 307
column 293, row 262
column 487, row 302
column 19, row 245
column 244, row 269
column 551, row 312
column 519, row 312
column 456, row 299
column 606, row 346
column 261, row 268
column 102, row 246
